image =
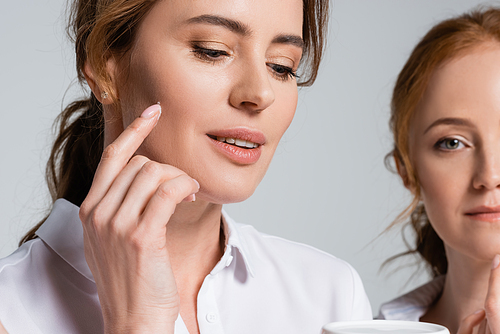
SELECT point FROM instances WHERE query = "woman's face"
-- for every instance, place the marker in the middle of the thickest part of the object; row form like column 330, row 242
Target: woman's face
column 455, row 147
column 223, row 71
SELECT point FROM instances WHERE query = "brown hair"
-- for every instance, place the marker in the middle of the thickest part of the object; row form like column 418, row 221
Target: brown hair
column 99, row 29
column 446, row 40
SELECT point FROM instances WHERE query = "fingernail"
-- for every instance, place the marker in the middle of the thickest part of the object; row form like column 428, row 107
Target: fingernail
column 190, row 198
column 151, row 111
column 496, row 262
column 479, row 311
column 197, row 183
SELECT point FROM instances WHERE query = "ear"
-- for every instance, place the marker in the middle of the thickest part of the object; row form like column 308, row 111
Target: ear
column 403, row 173
column 101, row 95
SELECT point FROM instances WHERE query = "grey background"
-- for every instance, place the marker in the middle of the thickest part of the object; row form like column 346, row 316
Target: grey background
column 327, row 185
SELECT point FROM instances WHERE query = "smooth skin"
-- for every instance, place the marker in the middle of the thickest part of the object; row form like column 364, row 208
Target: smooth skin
column 455, row 148
column 148, row 246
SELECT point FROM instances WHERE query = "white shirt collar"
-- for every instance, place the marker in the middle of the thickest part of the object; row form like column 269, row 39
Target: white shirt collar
column 236, row 240
column 63, row 233
column 413, row 305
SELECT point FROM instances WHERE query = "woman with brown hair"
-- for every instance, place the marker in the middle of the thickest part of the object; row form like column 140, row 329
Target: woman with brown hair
column 446, row 125
column 137, row 240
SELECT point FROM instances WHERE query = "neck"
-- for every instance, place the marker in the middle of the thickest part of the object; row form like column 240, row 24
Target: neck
column 195, row 247
column 464, row 291
column 193, row 236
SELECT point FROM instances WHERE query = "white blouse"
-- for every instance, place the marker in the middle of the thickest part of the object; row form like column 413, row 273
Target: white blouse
column 262, row 284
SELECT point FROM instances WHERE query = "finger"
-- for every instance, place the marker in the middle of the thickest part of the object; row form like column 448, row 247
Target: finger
column 144, row 186
column 471, row 321
column 116, row 194
column 116, row 155
column 492, row 304
column 167, row 196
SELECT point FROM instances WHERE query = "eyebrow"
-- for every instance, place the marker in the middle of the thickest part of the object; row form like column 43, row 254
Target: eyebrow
column 242, row 29
column 449, row 121
column 289, row 39
column 233, row 25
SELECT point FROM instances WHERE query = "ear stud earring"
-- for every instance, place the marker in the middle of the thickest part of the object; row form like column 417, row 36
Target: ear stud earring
column 104, row 95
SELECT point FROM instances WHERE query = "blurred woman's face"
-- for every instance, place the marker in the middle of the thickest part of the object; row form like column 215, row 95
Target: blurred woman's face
column 455, row 147
column 224, row 73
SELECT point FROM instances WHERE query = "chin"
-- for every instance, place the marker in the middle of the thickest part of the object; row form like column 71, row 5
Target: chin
column 226, row 192
column 222, row 198
column 228, row 184
column 479, row 248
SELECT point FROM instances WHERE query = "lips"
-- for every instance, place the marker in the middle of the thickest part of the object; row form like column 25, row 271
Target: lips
column 247, row 135
column 238, row 142
column 240, row 145
column 485, row 213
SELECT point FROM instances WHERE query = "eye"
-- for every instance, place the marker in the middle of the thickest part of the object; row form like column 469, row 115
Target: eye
column 450, row 144
column 208, row 54
column 282, row 72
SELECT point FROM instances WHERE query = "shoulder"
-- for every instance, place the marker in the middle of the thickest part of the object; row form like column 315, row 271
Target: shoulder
column 20, row 277
column 42, row 293
column 19, row 261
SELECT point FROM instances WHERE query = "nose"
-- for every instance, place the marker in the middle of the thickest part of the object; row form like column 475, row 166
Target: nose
column 253, row 89
column 487, row 174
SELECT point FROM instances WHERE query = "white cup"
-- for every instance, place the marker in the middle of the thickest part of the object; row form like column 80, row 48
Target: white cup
column 383, row 327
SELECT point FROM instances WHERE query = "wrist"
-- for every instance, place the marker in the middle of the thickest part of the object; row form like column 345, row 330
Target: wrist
column 148, row 321
column 133, row 327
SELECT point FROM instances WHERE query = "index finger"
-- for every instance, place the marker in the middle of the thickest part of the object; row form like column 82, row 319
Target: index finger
column 117, row 154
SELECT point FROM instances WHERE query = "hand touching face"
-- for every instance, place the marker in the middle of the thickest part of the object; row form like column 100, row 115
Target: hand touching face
column 125, row 217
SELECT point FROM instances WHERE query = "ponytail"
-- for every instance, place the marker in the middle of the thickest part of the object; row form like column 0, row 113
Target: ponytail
column 75, row 154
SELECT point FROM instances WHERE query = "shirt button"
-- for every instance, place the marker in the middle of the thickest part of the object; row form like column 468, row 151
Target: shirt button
column 211, row 317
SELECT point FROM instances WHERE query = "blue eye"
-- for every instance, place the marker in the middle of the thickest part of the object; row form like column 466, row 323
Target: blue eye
column 450, row 144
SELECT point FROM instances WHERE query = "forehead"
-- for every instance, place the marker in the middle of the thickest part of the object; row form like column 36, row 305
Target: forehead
column 281, row 16
column 465, row 86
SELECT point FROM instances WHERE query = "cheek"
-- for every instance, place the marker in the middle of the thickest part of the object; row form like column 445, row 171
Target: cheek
column 168, row 73
column 175, row 87
column 291, row 107
column 443, row 186
column 436, row 182
column 283, row 111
